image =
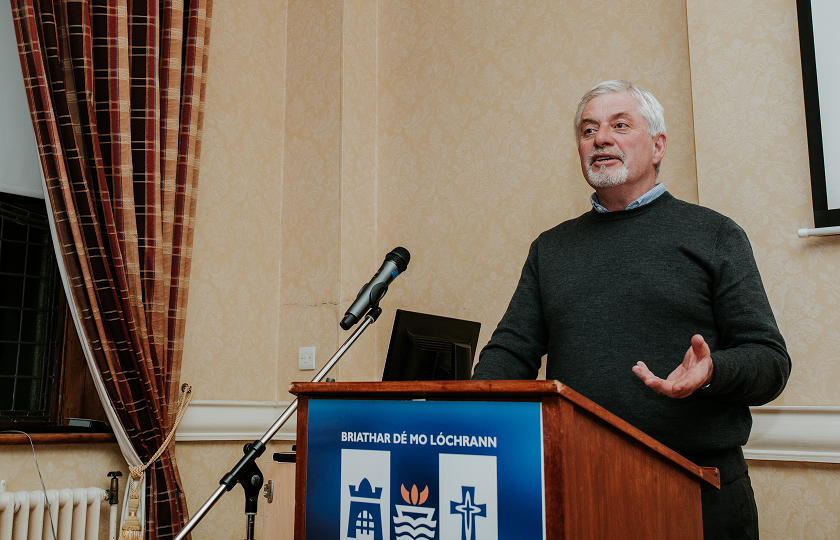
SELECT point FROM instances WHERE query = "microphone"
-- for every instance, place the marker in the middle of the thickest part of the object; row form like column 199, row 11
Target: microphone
column 395, row 263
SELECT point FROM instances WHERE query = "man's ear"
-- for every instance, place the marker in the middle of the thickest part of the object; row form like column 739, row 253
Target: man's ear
column 660, row 142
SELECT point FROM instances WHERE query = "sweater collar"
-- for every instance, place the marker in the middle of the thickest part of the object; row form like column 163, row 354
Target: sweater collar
column 649, row 196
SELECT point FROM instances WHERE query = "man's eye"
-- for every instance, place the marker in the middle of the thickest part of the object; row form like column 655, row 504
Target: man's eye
column 621, row 125
column 589, row 131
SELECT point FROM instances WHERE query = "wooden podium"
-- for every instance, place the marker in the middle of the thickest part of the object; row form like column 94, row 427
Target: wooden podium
column 603, row 478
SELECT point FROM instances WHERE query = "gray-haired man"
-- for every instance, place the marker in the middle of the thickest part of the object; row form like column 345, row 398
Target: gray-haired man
column 644, row 284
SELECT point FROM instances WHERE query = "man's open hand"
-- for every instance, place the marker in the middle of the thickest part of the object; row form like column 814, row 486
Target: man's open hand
column 694, row 372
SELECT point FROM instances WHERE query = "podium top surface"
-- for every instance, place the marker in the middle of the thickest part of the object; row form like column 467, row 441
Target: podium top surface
column 528, row 390
column 432, row 389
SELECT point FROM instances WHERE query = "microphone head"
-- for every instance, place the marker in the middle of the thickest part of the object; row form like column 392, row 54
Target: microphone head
column 399, row 256
column 348, row 321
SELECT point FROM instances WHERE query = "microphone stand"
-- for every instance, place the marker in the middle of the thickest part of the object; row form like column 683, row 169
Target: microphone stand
column 246, row 472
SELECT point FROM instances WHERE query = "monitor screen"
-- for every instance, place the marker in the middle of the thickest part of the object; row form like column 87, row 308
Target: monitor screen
column 818, row 45
column 430, row 348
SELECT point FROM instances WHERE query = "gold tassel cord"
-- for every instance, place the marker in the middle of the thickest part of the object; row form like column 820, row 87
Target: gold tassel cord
column 131, row 529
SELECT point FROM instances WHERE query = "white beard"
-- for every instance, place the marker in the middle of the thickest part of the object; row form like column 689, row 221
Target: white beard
column 603, row 179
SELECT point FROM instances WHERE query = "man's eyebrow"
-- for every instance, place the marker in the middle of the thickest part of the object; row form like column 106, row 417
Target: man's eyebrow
column 612, row 118
column 622, row 114
column 586, row 121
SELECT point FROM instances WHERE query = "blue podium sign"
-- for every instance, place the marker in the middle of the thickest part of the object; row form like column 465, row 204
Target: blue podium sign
column 424, row 470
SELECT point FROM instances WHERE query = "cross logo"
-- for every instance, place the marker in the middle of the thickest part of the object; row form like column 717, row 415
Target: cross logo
column 469, row 511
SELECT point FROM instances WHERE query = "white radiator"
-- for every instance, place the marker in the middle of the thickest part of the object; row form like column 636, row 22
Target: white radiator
column 75, row 514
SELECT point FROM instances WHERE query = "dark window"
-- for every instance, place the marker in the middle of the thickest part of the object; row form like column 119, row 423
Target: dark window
column 30, row 309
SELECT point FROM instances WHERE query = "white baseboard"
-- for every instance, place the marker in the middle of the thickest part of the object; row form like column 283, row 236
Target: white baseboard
column 805, row 434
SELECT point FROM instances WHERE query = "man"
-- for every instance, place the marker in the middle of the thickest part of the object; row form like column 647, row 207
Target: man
column 645, row 284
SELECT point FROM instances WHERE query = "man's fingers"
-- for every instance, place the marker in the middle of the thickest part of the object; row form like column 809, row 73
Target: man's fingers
column 642, row 371
column 673, row 389
column 652, row 381
column 698, row 344
column 684, row 380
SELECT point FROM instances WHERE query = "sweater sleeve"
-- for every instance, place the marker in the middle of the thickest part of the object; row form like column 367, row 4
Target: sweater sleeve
column 751, row 362
column 520, row 340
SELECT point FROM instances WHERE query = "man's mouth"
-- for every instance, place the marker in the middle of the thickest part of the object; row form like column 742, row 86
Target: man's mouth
column 604, row 159
column 601, row 159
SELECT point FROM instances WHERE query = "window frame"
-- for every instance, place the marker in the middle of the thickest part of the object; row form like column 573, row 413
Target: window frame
column 72, row 393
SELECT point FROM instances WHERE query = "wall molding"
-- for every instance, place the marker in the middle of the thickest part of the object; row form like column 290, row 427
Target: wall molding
column 808, row 434
column 804, row 434
column 208, row 420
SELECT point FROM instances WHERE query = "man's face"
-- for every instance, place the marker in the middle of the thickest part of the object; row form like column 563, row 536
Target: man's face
column 614, row 145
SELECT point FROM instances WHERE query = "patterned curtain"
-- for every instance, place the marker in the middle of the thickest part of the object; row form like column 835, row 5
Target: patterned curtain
column 116, row 91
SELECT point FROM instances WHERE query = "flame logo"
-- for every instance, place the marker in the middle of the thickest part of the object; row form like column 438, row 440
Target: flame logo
column 414, row 498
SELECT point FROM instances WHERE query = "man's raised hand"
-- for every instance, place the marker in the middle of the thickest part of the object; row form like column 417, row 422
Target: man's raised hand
column 694, row 372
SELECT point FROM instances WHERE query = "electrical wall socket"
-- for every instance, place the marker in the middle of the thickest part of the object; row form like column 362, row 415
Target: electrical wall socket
column 306, row 358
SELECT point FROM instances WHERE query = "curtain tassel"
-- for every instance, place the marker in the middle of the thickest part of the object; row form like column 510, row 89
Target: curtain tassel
column 131, row 529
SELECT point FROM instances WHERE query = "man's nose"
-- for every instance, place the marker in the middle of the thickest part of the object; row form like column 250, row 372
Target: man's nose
column 603, row 137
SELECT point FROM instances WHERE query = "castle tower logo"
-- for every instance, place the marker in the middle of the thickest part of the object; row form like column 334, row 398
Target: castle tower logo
column 414, row 521
column 365, row 516
column 468, row 497
column 365, row 494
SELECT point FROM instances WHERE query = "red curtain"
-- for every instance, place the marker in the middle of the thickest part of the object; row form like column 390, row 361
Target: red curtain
column 116, row 91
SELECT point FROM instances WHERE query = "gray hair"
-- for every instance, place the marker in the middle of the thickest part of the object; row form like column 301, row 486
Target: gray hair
column 649, row 107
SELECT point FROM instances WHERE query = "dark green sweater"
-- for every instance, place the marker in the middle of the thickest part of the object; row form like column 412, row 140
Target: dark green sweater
column 603, row 291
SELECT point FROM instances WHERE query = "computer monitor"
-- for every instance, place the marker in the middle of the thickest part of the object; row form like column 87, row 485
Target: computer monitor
column 428, row 347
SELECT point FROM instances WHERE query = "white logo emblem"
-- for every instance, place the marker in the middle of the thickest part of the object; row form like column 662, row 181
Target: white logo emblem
column 468, row 502
column 365, row 494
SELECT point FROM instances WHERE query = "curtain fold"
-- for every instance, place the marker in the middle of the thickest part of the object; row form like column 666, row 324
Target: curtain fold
column 116, row 90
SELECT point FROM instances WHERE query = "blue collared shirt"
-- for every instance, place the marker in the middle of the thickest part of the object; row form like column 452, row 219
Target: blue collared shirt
column 655, row 192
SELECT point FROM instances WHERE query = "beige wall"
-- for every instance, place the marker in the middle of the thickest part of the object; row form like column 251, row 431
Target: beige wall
column 335, row 132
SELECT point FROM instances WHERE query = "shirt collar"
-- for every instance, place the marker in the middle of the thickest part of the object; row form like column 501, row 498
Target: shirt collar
column 655, row 192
